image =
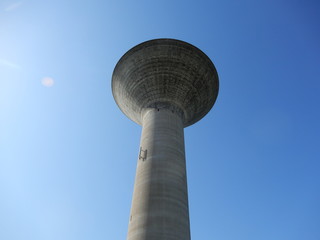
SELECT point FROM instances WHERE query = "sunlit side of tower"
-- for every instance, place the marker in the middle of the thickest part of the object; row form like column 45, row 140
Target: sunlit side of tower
column 164, row 85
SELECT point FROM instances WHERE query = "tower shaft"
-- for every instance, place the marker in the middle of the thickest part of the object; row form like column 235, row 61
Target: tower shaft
column 160, row 199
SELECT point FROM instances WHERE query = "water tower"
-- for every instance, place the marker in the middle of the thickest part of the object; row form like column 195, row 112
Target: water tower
column 164, row 85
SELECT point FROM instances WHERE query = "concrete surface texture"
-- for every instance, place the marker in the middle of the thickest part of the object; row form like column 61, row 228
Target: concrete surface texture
column 165, row 73
column 160, row 200
column 163, row 85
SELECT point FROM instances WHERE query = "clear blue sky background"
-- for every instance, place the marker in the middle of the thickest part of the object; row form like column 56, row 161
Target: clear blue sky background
column 68, row 155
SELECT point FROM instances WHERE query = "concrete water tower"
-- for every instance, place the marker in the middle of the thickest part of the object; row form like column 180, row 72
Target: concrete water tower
column 164, row 85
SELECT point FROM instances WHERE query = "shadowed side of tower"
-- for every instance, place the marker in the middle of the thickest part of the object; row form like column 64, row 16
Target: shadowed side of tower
column 163, row 85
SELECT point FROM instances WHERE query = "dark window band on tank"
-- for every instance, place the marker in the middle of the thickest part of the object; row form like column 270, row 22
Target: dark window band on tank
column 143, row 154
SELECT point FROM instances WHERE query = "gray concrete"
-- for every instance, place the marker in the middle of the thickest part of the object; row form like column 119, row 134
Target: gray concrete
column 163, row 85
column 160, row 199
column 165, row 73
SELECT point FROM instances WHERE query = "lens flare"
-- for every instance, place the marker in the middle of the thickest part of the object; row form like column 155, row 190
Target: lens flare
column 47, row 82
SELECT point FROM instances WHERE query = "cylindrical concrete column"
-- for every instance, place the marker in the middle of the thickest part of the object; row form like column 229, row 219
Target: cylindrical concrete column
column 160, row 200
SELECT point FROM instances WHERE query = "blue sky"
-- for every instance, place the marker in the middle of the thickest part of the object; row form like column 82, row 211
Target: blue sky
column 68, row 154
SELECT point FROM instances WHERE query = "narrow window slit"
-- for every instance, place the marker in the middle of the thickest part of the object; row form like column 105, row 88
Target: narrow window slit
column 143, row 154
